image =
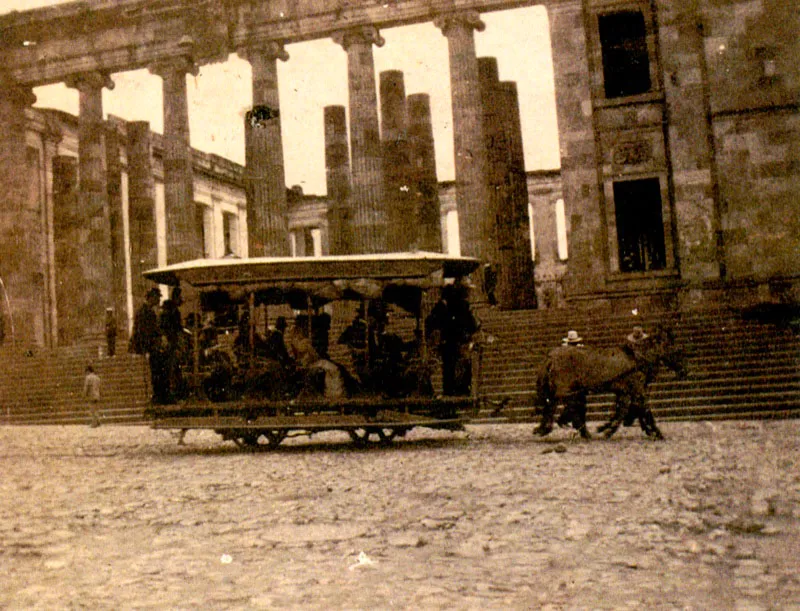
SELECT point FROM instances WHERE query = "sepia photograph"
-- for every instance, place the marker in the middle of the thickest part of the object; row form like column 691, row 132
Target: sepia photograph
column 400, row 304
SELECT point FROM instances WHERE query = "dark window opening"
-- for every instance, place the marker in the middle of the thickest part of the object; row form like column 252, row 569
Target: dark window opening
column 640, row 225
column 199, row 219
column 626, row 63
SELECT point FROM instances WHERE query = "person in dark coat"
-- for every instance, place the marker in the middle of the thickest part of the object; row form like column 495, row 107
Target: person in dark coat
column 111, row 332
column 147, row 340
column 172, row 329
column 452, row 324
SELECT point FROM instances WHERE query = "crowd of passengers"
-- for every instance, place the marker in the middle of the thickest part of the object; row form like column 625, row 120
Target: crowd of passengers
column 289, row 360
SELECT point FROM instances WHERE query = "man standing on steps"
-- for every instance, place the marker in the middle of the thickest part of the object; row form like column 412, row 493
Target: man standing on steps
column 111, row 332
column 91, row 390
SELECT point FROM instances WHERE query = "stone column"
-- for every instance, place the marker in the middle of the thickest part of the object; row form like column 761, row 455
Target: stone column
column 697, row 213
column 517, row 257
column 422, row 180
column 579, row 174
column 68, row 227
column 141, row 207
column 394, row 144
column 95, row 247
column 51, row 137
column 475, row 224
column 264, row 178
column 184, row 241
column 19, row 261
column 116, row 223
column 368, row 208
column 337, row 178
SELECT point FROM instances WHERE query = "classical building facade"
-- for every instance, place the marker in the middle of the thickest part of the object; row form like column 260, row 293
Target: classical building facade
column 678, row 121
column 75, row 275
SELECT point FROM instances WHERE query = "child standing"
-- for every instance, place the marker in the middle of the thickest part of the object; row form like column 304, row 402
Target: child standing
column 91, row 390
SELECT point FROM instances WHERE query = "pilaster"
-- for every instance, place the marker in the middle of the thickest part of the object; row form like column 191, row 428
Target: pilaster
column 579, row 173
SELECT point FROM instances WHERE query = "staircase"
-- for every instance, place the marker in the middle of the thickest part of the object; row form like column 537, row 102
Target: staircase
column 737, row 368
column 46, row 387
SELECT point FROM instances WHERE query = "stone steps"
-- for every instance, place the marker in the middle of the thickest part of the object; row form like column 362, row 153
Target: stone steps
column 736, row 367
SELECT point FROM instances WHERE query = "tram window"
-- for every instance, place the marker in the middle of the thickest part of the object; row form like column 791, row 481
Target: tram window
column 626, row 63
column 640, row 225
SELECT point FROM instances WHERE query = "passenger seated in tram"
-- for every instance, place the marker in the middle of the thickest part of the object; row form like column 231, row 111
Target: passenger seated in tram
column 298, row 341
column 275, row 344
column 355, row 338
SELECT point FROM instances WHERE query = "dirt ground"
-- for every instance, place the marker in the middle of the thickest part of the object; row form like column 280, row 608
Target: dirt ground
column 125, row 518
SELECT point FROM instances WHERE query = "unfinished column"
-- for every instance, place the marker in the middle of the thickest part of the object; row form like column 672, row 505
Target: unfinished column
column 337, row 177
column 95, row 246
column 184, row 241
column 475, row 224
column 423, row 183
column 516, row 256
column 394, row 143
column 264, row 177
column 367, row 195
column 141, row 207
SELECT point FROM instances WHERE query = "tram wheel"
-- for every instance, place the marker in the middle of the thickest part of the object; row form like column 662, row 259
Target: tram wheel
column 385, row 436
column 262, row 439
column 362, row 437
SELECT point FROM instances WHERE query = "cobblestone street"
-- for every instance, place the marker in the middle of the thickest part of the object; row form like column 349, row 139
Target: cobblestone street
column 124, row 517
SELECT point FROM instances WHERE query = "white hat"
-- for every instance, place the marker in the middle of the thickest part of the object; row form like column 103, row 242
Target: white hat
column 637, row 334
column 572, row 337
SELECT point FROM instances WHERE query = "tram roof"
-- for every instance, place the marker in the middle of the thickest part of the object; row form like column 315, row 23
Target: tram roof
column 267, row 271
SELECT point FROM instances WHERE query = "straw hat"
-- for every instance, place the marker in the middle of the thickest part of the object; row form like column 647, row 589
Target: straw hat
column 637, row 334
column 572, row 338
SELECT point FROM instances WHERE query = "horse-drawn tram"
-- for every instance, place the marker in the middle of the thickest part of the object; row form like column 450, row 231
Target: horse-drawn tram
column 372, row 345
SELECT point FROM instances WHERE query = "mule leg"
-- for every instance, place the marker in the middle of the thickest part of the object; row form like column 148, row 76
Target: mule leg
column 577, row 409
column 652, row 428
column 546, row 424
column 621, row 409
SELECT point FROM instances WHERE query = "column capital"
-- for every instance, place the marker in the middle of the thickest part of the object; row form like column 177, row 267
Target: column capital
column 267, row 49
column 87, row 81
column 365, row 34
column 464, row 19
column 182, row 61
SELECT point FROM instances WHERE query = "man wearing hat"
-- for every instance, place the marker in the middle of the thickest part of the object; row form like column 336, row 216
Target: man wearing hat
column 633, row 342
column 172, row 329
column 574, row 412
column 146, row 339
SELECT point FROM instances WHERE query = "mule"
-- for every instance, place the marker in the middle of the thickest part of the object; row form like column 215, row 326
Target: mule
column 571, row 372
